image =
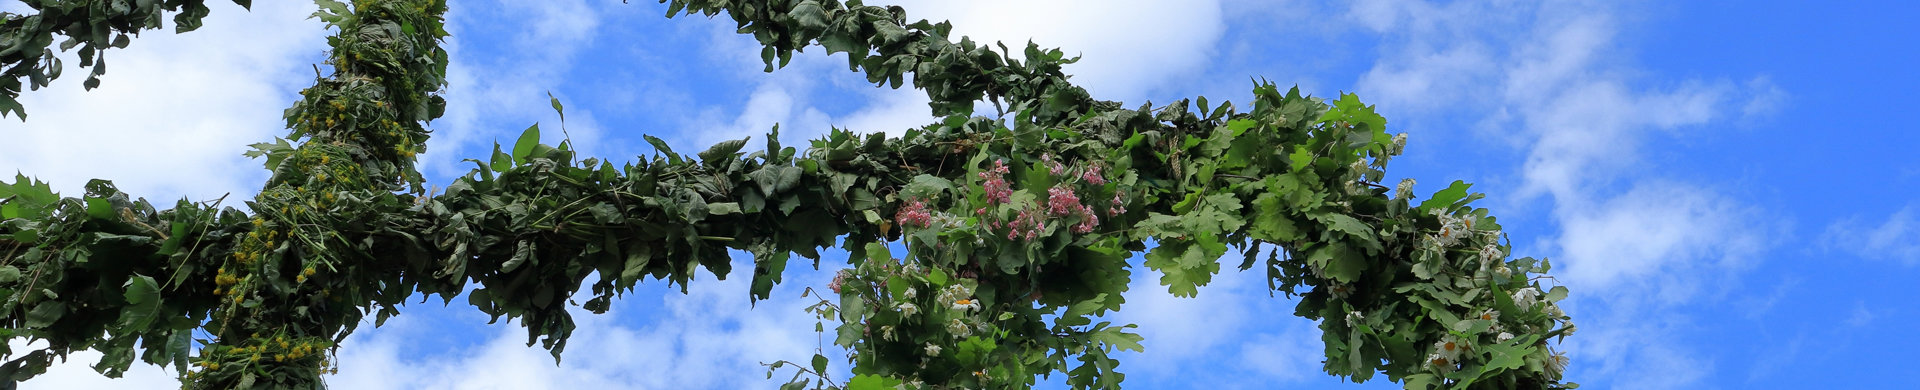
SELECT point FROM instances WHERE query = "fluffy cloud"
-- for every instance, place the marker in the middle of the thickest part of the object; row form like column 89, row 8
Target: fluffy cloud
column 1232, row 316
column 174, row 112
column 656, row 338
column 1128, row 48
column 1633, row 245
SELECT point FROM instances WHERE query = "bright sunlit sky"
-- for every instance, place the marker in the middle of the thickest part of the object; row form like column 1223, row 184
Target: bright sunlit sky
column 1726, row 186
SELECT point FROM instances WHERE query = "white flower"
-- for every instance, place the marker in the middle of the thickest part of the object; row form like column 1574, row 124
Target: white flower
column 1502, row 270
column 933, row 350
column 1491, row 254
column 1354, row 318
column 908, row 309
column 1503, row 337
column 1449, row 348
column 1557, row 365
column 1553, row 311
column 1525, row 298
column 957, row 328
column 966, row 305
column 1490, row 315
column 1404, row 190
column 954, row 293
column 1442, row 364
column 909, row 293
column 886, row 331
column 1399, row 144
column 1570, row 329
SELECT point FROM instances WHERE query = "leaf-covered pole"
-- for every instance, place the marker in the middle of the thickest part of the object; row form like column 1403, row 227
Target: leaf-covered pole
column 1016, row 229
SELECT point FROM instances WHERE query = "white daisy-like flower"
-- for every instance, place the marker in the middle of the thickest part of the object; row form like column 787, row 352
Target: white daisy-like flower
column 957, row 328
column 1404, row 190
column 1441, row 364
column 910, row 293
column 1449, row 348
column 908, row 309
column 1491, row 254
column 966, row 305
column 1557, row 364
column 1490, row 315
column 1526, row 297
column 933, row 350
column 1503, row 337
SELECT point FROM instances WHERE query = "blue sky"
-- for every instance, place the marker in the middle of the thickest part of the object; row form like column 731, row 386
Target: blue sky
column 1727, row 187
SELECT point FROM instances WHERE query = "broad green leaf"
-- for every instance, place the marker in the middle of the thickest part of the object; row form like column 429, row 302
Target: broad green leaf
column 872, row 382
column 143, row 303
column 1115, row 338
column 523, row 149
column 1445, row 198
column 45, row 313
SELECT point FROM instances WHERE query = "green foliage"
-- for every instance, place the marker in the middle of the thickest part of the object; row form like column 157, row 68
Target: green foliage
column 1016, row 228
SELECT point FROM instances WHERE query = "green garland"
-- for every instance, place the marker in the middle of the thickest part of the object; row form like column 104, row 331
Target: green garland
column 1016, row 229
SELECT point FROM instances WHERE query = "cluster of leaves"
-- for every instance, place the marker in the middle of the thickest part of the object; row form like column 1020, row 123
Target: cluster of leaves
column 26, row 41
column 1017, row 228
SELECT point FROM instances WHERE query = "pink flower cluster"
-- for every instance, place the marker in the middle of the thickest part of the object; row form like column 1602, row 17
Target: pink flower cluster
column 1054, row 167
column 838, row 279
column 1092, row 176
column 998, row 191
column 1062, row 201
column 1028, row 225
column 914, row 214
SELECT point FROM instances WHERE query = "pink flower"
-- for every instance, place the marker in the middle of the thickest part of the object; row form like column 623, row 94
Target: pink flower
column 1092, row 176
column 1061, row 201
column 1118, row 207
column 914, row 214
column 838, row 279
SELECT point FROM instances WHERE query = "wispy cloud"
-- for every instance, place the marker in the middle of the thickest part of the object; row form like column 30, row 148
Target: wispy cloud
column 499, row 79
column 1895, row 239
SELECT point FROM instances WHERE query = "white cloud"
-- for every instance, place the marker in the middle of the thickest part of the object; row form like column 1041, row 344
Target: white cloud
column 1551, row 80
column 1128, row 48
column 1232, row 316
column 495, row 92
column 77, row 372
column 709, row 338
column 1896, row 239
column 174, row 111
column 1656, row 236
